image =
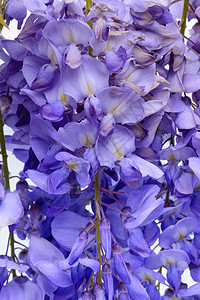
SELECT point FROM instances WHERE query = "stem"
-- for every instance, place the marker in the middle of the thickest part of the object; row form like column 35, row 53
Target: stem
column 184, row 16
column 6, row 177
column 109, row 195
column 88, row 6
column 98, row 233
column 4, row 155
column 159, row 271
column 192, row 42
column 112, row 207
column 167, row 196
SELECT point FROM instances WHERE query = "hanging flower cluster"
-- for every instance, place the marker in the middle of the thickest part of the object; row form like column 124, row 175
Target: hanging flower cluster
column 103, row 101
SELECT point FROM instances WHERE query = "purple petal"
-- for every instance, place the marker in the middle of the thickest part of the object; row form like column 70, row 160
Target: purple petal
column 41, row 249
column 174, row 257
column 120, row 265
column 16, row 50
column 129, row 174
column 124, row 104
column 192, row 290
column 75, row 135
column 106, row 125
column 137, row 243
column 10, row 264
column 44, row 256
column 31, row 67
column 146, row 168
column 59, row 204
column 108, row 280
column 99, row 292
column 55, row 275
column 68, row 31
column 52, row 112
column 73, row 57
column 185, row 119
column 101, row 30
column 15, row 10
column 89, row 262
column 106, row 237
column 69, row 135
column 44, row 78
column 136, row 289
column 113, row 147
column 78, row 247
column 184, row 184
column 78, row 165
column 141, row 80
column 175, row 233
column 21, row 288
column 174, row 278
column 35, row 5
column 114, row 61
column 194, row 164
column 191, row 82
column 2, row 191
column 11, row 209
column 85, row 80
column 62, row 223
column 40, row 179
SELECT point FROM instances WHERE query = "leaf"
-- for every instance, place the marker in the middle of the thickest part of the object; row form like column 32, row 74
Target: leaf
column 3, row 22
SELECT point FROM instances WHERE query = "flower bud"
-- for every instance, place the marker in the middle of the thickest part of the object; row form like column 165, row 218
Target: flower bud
column 86, row 296
column 106, row 236
column 99, row 292
column 78, row 247
column 125, row 210
column 123, row 293
column 108, row 280
column 120, row 265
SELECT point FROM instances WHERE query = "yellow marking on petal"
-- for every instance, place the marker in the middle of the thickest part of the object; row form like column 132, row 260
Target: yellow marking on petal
column 72, row 166
column 114, row 110
column 63, row 98
column 52, row 58
column 148, row 278
column 182, row 233
column 118, row 153
column 172, row 157
column 88, row 142
column 71, row 39
column 89, row 90
column 168, row 262
column 181, row 236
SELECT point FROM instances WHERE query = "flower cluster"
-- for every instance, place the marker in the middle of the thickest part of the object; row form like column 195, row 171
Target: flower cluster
column 103, row 100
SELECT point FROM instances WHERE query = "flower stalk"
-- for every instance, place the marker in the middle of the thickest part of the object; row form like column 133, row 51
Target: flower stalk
column 88, row 6
column 184, row 16
column 98, row 233
column 6, row 178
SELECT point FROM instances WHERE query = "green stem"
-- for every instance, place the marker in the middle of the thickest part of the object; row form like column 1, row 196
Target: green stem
column 98, row 233
column 6, row 177
column 159, row 271
column 4, row 155
column 184, row 16
column 88, row 6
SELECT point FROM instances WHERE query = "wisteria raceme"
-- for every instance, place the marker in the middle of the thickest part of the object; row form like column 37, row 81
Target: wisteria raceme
column 103, row 100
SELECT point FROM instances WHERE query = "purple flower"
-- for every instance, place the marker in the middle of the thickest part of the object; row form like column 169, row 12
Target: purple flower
column 120, row 264
column 106, row 237
column 11, row 209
